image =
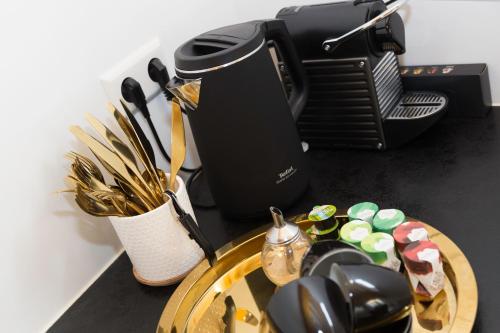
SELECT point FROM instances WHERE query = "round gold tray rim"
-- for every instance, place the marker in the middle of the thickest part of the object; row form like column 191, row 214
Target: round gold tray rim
column 467, row 298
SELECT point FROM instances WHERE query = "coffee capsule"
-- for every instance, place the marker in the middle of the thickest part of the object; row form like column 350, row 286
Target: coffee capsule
column 364, row 211
column 386, row 220
column 424, row 265
column 380, row 247
column 325, row 223
column 409, row 232
column 355, row 231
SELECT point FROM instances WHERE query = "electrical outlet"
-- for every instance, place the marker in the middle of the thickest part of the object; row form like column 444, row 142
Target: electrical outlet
column 135, row 65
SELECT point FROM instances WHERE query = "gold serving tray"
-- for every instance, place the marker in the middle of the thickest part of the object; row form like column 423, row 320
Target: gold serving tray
column 231, row 296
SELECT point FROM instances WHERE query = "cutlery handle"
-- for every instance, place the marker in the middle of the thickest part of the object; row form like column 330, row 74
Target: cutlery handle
column 142, row 137
column 178, row 140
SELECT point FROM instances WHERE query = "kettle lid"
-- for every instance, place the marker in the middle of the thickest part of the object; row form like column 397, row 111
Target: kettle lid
column 219, row 48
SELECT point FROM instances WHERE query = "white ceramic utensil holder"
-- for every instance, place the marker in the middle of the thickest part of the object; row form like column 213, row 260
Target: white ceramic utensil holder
column 157, row 244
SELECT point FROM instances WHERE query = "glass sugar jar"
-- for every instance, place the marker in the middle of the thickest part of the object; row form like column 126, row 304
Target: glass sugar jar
column 283, row 250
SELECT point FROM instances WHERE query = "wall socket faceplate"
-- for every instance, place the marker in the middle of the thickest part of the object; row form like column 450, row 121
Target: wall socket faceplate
column 135, row 65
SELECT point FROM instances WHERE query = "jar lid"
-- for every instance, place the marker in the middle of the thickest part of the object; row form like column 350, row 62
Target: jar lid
column 281, row 231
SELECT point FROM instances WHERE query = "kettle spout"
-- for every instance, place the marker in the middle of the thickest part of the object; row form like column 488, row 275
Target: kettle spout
column 187, row 91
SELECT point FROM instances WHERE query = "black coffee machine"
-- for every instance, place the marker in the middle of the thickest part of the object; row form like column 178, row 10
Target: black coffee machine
column 356, row 97
column 243, row 124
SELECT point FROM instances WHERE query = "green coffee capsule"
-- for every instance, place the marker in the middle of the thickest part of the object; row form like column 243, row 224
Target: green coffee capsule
column 380, row 247
column 325, row 223
column 355, row 231
column 386, row 220
column 364, row 211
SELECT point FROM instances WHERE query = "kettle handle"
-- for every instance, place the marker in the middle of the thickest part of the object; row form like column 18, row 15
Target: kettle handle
column 276, row 30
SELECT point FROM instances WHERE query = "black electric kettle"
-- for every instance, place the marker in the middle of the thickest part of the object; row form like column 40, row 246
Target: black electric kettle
column 243, row 123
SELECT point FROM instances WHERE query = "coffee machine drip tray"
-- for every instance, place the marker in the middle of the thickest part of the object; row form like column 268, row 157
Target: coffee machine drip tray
column 413, row 114
column 418, row 105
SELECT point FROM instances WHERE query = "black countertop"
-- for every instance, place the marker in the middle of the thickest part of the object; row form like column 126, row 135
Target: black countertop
column 448, row 177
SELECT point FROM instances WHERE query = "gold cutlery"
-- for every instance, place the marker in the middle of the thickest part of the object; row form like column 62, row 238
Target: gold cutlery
column 90, row 178
column 192, row 91
column 178, row 143
column 125, row 187
column 94, row 206
column 119, row 200
column 123, row 151
column 88, row 164
column 162, row 177
column 187, row 92
column 134, row 140
column 139, row 185
column 118, row 168
column 100, row 190
column 108, row 198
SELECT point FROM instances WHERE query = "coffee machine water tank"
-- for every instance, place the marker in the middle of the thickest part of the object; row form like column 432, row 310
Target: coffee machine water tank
column 244, row 124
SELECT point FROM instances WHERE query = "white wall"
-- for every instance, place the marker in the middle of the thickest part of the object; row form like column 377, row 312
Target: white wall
column 51, row 57
column 454, row 32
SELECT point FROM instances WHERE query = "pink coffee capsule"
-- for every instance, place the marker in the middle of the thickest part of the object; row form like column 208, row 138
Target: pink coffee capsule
column 424, row 266
column 409, row 232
